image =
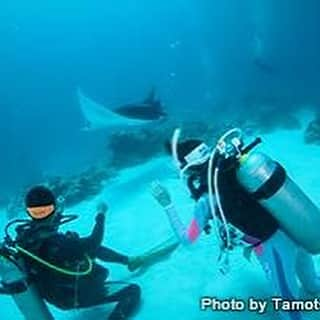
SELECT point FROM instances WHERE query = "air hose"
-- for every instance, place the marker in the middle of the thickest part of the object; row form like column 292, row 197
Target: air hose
column 63, row 219
column 56, row 268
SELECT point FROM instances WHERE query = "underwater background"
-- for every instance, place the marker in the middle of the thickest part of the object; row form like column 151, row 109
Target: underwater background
column 213, row 64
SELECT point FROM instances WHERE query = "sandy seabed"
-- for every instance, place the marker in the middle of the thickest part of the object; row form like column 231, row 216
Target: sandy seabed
column 172, row 288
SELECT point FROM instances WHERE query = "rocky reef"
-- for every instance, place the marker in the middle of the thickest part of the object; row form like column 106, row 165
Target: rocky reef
column 137, row 145
column 73, row 189
column 312, row 132
column 131, row 147
column 269, row 114
column 267, row 123
column 80, row 187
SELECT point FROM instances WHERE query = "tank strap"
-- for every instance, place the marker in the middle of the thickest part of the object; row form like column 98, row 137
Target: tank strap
column 272, row 185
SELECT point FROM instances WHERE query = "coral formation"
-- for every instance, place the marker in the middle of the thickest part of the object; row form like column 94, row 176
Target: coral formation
column 267, row 118
column 77, row 188
column 131, row 147
column 137, row 145
column 73, row 189
column 266, row 113
column 312, row 132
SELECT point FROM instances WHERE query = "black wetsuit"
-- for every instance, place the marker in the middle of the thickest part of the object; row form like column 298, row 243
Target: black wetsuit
column 243, row 211
column 240, row 208
column 68, row 250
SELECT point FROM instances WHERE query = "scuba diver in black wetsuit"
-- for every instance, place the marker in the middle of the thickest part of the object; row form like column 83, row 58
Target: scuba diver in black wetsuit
column 62, row 266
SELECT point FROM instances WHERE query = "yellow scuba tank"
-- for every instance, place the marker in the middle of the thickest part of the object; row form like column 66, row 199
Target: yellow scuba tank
column 25, row 295
column 267, row 181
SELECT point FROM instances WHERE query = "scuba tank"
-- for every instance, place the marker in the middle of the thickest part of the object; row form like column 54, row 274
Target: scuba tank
column 15, row 282
column 267, row 182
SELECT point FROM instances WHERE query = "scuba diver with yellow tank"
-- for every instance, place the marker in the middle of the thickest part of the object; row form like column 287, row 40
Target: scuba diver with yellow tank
column 44, row 264
column 252, row 203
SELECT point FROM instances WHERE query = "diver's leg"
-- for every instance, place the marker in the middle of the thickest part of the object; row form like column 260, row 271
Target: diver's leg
column 278, row 259
column 127, row 296
column 306, row 272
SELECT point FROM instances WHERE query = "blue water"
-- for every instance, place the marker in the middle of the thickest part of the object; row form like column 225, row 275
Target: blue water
column 204, row 57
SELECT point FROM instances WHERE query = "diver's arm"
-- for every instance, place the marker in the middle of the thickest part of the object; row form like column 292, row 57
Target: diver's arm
column 92, row 243
column 109, row 255
column 201, row 216
column 200, row 220
column 178, row 227
column 162, row 195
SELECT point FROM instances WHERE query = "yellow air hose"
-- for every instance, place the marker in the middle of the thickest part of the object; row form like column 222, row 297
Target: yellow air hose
column 56, row 268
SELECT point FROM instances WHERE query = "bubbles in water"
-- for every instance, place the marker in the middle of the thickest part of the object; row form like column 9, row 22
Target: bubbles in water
column 175, row 44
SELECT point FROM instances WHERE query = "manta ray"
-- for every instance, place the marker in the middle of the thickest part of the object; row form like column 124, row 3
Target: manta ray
column 98, row 116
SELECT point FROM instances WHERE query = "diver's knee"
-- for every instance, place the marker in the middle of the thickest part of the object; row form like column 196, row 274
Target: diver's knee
column 134, row 291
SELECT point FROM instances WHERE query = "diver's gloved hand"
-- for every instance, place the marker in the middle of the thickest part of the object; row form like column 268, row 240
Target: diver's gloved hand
column 135, row 263
column 161, row 194
column 102, row 207
column 72, row 235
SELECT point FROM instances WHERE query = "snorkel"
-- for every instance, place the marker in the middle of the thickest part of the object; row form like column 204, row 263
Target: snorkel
column 174, row 148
